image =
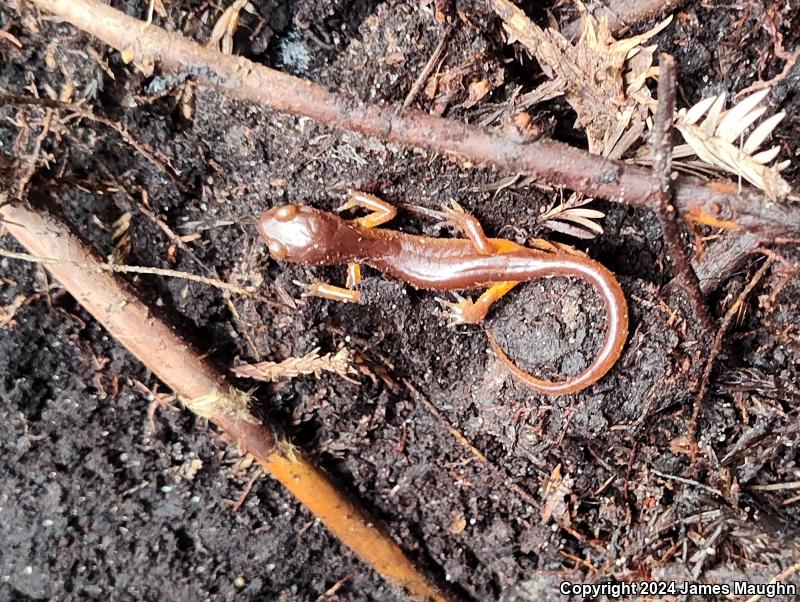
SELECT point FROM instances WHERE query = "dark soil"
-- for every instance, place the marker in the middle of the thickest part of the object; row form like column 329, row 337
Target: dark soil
column 94, row 504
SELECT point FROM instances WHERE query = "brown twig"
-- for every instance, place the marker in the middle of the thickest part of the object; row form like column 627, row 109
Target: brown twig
column 661, row 141
column 457, row 435
column 130, row 269
column 467, row 444
column 717, row 204
column 238, row 502
column 760, row 85
column 205, row 390
column 426, row 70
column 716, row 347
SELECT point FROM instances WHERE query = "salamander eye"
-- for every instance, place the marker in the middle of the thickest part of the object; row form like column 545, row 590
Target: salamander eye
column 277, row 249
column 286, row 212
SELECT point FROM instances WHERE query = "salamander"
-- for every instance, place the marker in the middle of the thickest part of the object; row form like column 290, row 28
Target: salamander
column 302, row 234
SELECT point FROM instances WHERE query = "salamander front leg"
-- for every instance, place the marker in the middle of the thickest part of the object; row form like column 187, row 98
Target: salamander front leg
column 351, row 294
column 467, row 311
column 380, row 211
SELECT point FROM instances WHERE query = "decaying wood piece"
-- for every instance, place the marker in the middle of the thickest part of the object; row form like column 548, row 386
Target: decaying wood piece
column 205, row 390
column 718, row 204
column 603, row 79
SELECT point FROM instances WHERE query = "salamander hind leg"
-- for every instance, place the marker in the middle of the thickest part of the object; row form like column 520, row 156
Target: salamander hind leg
column 466, row 311
column 455, row 215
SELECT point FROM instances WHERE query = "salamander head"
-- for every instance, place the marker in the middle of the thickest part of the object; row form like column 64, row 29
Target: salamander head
column 301, row 234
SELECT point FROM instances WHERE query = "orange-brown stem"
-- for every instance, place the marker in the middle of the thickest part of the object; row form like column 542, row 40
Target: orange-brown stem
column 203, row 388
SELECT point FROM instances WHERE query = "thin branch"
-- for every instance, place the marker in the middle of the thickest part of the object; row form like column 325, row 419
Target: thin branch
column 503, row 477
column 465, row 443
column 686, row 481
column 776, row 486
column 131, row 269
column 551, row 162
column 428, row 68
column 716, row 347
column 206, row 391
column 661, row 140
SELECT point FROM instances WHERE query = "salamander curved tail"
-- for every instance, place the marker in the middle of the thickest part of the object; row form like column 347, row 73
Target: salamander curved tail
column 604, row 282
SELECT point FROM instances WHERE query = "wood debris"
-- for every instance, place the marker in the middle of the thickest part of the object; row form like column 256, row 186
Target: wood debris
column 719, row 140
column 555, row 506
column 8, row 312
column 311, row 363
column 603, row 79
column 121, row 238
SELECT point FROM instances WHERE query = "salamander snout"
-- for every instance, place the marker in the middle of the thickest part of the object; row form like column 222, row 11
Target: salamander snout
column 298, row 233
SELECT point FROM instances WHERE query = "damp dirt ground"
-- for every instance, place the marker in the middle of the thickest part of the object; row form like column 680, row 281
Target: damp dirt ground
column 97, row 502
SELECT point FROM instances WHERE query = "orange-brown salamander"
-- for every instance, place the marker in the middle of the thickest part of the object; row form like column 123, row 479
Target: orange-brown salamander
column 310, row 236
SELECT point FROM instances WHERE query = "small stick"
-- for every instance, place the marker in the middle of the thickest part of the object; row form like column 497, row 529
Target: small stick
column 479, row 456
column 686, row 481
column 433, row 410
column 661, row 139
column 426, row 70
column 131, row 269
column 235, row 505
column 776, row 486
column 716, row 347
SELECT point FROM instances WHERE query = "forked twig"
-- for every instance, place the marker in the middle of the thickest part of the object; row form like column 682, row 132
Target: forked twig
column 662, row 167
